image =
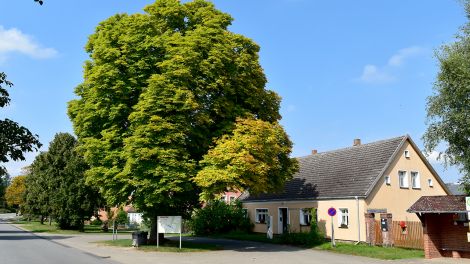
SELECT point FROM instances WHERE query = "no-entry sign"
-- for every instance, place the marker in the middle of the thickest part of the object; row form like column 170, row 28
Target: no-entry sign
column 331, row 211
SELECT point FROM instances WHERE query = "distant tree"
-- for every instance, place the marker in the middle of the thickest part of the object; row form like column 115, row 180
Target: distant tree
column 14, row 139
column 39, row 1
column 5, row 180
column 255, row 157
column 56, row 185
column 448, row 109
column 14, row 194
column 159, row 87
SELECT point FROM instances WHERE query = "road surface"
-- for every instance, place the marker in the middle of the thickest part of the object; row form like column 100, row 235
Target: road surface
column 21, row 247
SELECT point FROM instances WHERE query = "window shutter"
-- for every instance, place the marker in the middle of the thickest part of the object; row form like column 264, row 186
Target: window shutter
column 301, row 217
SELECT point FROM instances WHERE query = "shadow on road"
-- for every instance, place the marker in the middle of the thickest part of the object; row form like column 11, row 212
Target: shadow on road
column 30, row 237
column 240, row 246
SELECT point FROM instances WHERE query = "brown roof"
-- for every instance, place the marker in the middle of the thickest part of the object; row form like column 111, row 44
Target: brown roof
column 439, row 204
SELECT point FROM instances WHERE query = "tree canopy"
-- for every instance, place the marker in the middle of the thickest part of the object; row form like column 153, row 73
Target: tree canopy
column 158, row 89
column 14, row 138
column 14, row 194
column 254, row 156
column 56, row 185
column 448, row 108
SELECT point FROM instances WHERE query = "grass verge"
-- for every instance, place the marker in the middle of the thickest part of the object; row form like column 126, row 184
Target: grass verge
column 37, row 227
column 388, row 253
column 167, row 246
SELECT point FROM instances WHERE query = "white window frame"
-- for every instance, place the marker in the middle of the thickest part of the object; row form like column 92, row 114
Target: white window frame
column 430, row 182
column 343, row 217
column 388, row 181
column 416, row 184
column 405, row 180
column 258, row 214
column 407, row 154
column 305, row 212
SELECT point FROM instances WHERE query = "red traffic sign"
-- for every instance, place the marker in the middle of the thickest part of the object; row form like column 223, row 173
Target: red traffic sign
column 331, row 211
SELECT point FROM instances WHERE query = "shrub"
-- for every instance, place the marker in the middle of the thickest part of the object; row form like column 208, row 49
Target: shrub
column 121, row 218
column 312, row 238
column 218, row 217
column 96, row 221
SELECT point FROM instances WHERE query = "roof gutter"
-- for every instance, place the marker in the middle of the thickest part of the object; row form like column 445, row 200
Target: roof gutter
column 306, row 200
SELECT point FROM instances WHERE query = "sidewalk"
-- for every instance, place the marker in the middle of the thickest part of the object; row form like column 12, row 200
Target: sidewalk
column 235, row 252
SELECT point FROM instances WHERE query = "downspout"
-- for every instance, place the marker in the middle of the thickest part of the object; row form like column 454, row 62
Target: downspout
column 358, row 222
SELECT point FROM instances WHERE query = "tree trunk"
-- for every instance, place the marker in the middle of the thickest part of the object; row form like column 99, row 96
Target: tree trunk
column 153, row 233
column 50, row 220
column 42, row 220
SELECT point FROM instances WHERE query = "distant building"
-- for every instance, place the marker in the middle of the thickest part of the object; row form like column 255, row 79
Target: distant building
column 455, row 188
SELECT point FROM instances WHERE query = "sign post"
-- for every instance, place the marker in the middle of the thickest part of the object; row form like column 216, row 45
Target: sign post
column 332, row 212
column 168, row 225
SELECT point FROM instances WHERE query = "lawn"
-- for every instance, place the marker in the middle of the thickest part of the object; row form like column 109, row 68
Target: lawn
column 167, row 246
column 37, row 227
column 389, row 253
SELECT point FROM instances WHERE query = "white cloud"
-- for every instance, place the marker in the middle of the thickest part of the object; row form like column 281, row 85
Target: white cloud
column 374, row 74
column 435, row 157
column 13, row 40
column 399, row 58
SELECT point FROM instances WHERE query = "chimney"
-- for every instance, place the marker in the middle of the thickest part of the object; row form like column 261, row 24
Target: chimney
column 314, row 152
column 357, row 142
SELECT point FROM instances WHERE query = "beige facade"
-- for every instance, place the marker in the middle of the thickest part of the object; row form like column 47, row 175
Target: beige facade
column 398, row 199
column 384, row 194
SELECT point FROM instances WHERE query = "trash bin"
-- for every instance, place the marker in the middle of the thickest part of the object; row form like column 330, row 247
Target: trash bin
column 139, row 238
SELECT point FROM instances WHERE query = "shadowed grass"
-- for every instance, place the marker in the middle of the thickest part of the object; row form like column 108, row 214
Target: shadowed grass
column 167, row 246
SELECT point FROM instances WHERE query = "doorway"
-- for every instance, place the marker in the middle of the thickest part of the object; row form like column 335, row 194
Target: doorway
column 283, row 220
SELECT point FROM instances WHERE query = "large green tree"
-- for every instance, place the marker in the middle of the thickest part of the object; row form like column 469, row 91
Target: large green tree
column 56, row 185
column 14, row 138
column 449, row 107
column 158, row 89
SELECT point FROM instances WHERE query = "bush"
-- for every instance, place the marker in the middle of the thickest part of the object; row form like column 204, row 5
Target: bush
column 5, row 211
column 218, row 217
column 121, row 218
column 96, row 221
column 312, row 238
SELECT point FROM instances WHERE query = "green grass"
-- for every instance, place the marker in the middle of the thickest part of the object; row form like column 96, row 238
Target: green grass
column 37, row 227
column 389, row 253
column 167, row 246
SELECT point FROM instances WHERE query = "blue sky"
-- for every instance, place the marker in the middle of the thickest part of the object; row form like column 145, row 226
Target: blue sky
column 345, row 69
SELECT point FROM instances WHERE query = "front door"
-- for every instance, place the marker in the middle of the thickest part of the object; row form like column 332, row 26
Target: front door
column 283, row 220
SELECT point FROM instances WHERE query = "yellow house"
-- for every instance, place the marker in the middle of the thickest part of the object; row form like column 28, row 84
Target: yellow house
column 384, row 176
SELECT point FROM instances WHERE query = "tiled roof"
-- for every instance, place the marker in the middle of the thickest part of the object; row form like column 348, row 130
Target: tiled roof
column 439, row 204
column 340, row 173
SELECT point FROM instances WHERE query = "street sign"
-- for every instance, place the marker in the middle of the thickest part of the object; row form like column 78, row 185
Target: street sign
column 331, row 211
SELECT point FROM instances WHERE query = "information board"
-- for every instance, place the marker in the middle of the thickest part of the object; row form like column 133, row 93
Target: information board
column 169, row 224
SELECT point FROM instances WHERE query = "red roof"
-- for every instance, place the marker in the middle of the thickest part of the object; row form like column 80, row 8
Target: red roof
column 439, row 204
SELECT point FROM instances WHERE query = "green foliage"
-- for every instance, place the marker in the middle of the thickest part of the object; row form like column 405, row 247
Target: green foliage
column 255, row 157
column 56, row 185
column 158, row 88
column 96, row 222
column 217, row 217
column 307, row 239
column 14, row 138
column 14, row 194
column 121, row 218
column 448, row 108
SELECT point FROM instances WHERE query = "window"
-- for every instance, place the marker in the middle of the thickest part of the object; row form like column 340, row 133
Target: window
column 222, row 198
column 261, row 216
column 403, row 179
column 430, row 183
column 305, row 216
column 387, row 179
column 415, row 181
column 343, row 217
column 407, row 154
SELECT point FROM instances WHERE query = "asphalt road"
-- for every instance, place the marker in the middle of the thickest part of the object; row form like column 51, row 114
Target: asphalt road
column 21, row 247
